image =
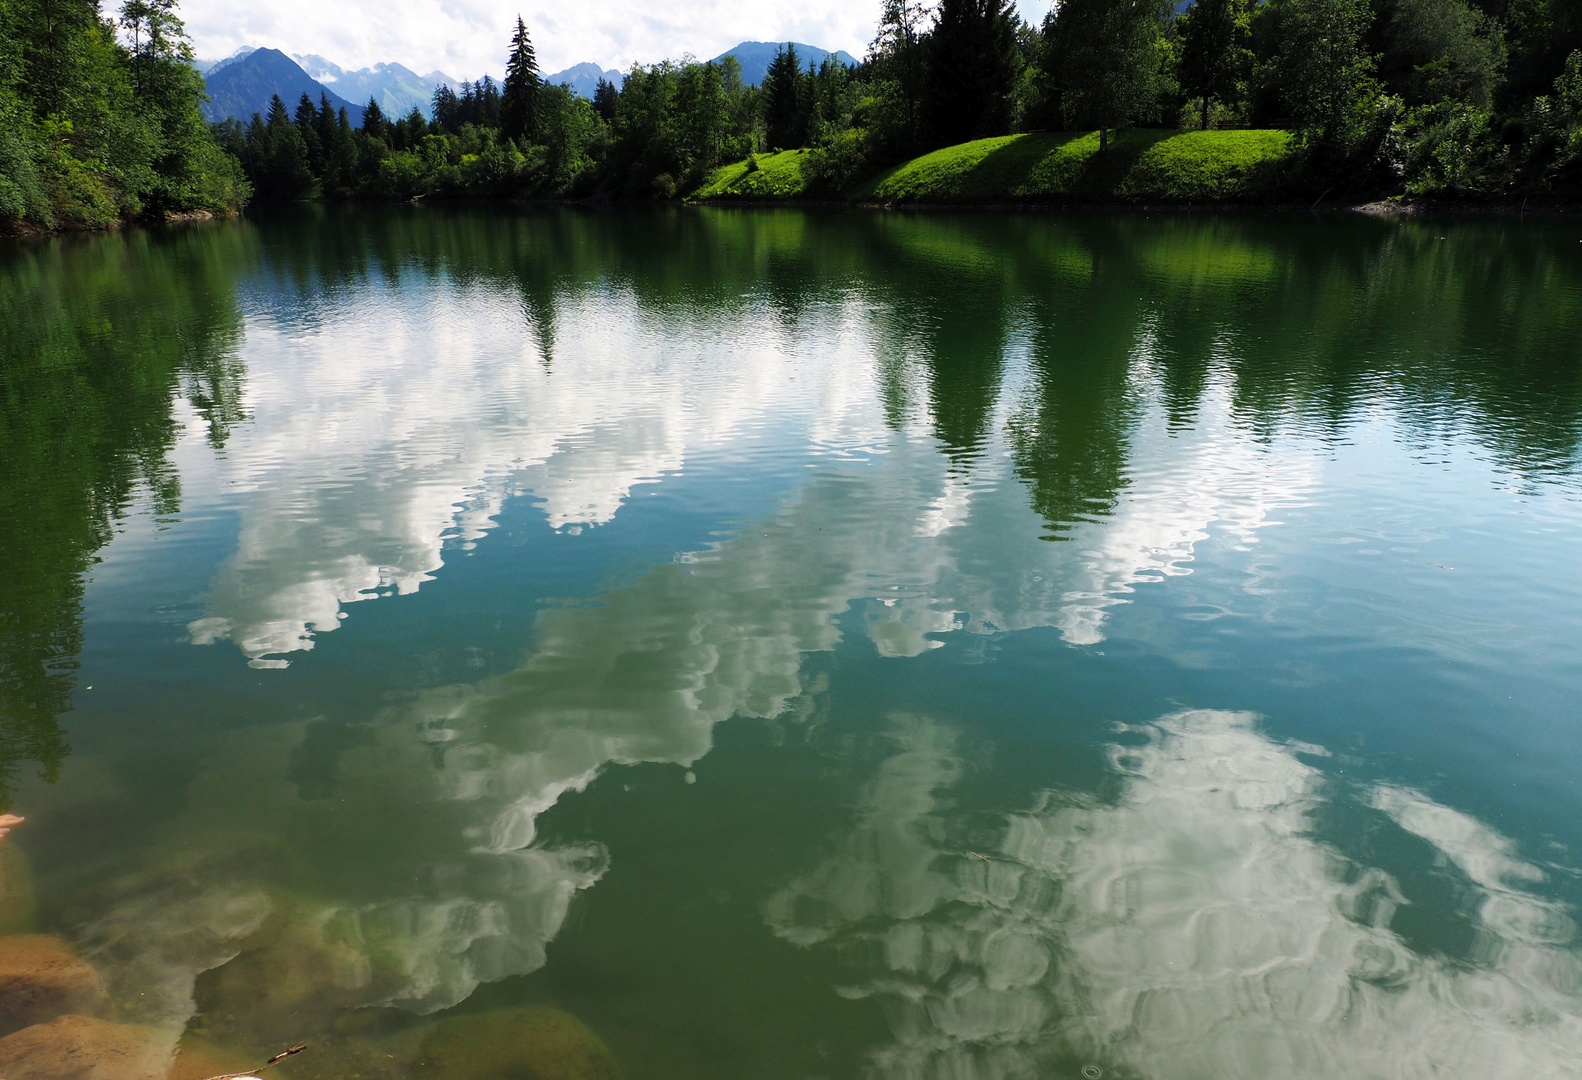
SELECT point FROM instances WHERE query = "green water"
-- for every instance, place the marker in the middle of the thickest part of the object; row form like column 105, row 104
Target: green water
column 798, row 645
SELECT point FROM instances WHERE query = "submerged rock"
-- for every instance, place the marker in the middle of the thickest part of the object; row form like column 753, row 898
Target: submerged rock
column 84, row 1048
column 42, row 978
column 534, row 1043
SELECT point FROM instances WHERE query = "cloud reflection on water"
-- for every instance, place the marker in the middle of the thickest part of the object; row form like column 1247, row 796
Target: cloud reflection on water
column 1196, row 927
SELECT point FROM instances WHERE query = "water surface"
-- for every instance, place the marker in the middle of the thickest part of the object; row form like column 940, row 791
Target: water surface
column 806, row 645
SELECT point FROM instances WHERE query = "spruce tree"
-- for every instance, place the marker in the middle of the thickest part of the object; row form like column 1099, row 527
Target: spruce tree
column 519, row 103
column 1214, row 58
column 604, row 95
column 784, row 119
column 973, row 67
column 374, row 119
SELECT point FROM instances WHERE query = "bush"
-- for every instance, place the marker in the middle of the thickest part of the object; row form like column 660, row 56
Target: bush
column 834, row 168
column 13, row 204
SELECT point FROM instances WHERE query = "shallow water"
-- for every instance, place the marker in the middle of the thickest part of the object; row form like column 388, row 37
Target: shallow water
column 805, row 645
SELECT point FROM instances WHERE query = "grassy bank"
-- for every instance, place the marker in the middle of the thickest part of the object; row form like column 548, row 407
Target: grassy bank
column 775, row 176
column 1140, row 166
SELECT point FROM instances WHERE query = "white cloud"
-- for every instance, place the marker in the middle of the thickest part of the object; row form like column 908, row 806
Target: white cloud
column 468, row 37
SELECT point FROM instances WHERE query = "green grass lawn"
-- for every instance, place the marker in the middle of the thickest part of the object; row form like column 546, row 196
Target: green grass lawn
column 1141, row 165
column 778, row 176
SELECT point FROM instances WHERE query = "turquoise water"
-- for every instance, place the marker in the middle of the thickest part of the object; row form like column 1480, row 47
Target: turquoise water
column 805, row 645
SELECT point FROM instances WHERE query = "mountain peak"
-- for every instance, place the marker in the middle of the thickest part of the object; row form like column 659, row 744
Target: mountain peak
column 755, row 56
column 243, row 86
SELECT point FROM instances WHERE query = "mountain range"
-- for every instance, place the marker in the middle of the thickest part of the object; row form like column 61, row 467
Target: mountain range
column 242, row 83
column 398, row 89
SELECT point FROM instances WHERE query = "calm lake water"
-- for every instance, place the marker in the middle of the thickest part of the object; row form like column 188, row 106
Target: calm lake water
column 704, row 643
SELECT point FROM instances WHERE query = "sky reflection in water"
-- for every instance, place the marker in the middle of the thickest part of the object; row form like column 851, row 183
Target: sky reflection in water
column 1142, row 622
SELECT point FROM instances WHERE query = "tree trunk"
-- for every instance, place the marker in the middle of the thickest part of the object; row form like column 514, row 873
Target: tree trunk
column 1104, row 139
column 1205, row 112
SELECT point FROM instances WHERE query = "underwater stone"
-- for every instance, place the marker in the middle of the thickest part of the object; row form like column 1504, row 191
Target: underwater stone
column 83, row 1048
column 42, row 978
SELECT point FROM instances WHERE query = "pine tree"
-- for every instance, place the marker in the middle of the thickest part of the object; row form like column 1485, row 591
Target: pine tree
column 519, row 103
column 1214, row 59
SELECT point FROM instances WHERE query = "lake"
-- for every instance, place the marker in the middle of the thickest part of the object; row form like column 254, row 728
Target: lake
column 559, row 643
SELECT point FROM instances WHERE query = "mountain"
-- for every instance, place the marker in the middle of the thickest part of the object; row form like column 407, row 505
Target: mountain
column 209, row 67
column 243, row 86
column 754, row 57
column 584, row 77
column 436, row 77
column 398, row 89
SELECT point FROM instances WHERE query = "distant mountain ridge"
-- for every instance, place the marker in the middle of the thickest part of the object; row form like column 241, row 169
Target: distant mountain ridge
column 242, row 85
column 584, row 78
column 398, row 89
column 754, row 57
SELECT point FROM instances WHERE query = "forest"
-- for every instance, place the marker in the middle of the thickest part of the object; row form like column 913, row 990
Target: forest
column 99, row 118
column 1459, row 99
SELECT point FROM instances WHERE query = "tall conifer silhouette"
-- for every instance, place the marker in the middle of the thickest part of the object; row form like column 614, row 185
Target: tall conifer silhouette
column 519, row 104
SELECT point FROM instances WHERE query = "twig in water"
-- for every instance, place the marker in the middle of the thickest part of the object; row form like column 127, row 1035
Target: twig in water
column 297, row 1049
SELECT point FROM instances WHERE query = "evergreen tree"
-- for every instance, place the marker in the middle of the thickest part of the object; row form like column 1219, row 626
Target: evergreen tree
column 445, row 108
column 973, row 67
column 1214, row 58
column 1107, row 53
column 604, row 97
column 374, row 119
column 307, row 122
column 518, row 108
column 785, row 120
column 283, row 167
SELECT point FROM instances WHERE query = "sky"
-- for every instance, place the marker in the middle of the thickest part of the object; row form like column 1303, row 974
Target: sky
column 465, row 38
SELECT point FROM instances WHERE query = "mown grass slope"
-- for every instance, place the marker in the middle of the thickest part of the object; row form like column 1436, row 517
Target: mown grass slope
column 778, row 176
column 1141, row 166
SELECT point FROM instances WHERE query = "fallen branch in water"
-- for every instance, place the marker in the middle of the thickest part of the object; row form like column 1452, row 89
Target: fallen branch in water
column 297, row 1049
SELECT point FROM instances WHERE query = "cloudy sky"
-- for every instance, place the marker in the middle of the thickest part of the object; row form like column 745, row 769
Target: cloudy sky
column 465, row 38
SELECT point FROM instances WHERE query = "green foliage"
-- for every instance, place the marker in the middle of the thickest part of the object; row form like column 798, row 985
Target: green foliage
column 1324, row 70
column 833, row 169
column 973, row 68
column 1214, row 57
column 94, row 128
column 1106, row 53
column 1442, row 50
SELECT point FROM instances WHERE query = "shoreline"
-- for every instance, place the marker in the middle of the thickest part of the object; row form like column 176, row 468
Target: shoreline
column 1377, row 208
